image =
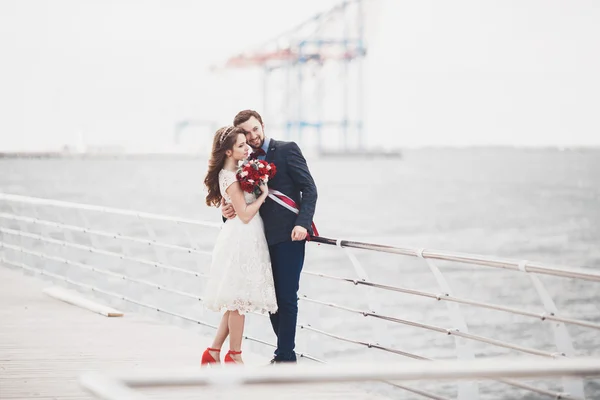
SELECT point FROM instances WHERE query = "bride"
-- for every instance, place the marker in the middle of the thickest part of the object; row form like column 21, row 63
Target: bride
column 240, row 278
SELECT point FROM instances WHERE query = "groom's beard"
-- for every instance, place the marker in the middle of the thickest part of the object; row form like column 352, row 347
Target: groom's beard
column 258, row 146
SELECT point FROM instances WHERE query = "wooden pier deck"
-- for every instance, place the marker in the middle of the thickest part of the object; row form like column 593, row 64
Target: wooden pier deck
column 46, row 344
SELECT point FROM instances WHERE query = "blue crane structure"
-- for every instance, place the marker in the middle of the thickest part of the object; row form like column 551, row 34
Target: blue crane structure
column 313, row 77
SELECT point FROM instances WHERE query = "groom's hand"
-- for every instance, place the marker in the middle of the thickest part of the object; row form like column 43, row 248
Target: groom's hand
column 227, row 210
column 299, row 233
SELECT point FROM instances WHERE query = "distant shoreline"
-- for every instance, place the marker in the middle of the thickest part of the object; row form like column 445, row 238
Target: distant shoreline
column 375, row 153
column 99, row 156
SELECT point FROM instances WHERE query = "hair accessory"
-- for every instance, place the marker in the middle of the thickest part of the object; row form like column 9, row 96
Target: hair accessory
column 224, row 134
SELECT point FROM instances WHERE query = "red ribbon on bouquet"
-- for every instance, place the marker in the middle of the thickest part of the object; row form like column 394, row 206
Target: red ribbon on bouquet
column 291, row 205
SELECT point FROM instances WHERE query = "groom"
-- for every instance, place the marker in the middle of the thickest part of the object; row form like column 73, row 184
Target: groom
column 286, row 231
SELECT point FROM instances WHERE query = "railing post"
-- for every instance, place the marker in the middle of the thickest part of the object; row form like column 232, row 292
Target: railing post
column 372, row 303
column 562, row 339
column 464, row 349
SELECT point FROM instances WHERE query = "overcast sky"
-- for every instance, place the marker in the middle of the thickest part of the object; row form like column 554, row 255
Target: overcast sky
column 438, row 73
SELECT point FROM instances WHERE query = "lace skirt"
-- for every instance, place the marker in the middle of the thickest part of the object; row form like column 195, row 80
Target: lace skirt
column 240, row 276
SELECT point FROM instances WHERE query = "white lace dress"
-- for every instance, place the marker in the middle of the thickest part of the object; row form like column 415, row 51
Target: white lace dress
column 240, row 276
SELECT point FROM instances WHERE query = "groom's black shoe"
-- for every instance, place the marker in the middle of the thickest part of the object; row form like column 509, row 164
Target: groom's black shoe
column 276, row 361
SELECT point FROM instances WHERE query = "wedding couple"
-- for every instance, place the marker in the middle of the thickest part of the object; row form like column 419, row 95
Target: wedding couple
column 259, row 252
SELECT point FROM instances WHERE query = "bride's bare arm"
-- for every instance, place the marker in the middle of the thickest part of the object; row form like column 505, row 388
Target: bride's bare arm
column 245, row 211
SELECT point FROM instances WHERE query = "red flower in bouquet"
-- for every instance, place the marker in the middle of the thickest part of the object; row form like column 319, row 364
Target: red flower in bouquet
column 252, row 173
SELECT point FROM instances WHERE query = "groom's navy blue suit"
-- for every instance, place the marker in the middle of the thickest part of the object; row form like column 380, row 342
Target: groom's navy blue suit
column 287, row 257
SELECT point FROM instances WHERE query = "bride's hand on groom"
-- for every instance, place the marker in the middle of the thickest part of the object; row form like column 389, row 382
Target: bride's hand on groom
column 227, row 210
column 264, row 187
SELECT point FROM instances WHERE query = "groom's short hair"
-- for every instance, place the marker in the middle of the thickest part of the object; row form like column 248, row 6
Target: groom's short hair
column 245, row 115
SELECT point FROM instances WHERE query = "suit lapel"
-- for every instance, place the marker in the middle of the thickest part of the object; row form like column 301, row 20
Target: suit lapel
column 271, row 152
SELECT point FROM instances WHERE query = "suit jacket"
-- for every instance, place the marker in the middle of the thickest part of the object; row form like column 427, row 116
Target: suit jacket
column 294, row 180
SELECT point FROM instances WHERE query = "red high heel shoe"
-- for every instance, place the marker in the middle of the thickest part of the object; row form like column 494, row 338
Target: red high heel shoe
column 229, row 359
column 207, row 358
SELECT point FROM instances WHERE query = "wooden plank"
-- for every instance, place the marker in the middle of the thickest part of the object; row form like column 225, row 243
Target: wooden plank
column 79, row 301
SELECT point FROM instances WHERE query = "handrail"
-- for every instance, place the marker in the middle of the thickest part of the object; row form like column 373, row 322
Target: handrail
column 504, row 263
column 556, row 395
column 99, row 251
column 115, row 387
column 543, row 316
column 362, row 312
column 98, row 270
column 301, row 326
column 110, row 210
column 445, row 297
column 466, row 258
column 308, row 327
column 196, row 297
column 563, row 341
column 438, row 329
column 96, row 232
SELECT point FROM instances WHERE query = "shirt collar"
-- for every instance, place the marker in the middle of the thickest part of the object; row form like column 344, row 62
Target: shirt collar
column 266, row 144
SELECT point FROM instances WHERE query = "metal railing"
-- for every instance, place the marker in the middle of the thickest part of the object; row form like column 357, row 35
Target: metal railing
column 28, row 238
column 124, row 386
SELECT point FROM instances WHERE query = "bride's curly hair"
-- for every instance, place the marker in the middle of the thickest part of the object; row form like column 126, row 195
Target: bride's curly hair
column 224, row 140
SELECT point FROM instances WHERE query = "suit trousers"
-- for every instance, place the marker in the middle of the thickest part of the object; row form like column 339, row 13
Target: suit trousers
column 287, row 259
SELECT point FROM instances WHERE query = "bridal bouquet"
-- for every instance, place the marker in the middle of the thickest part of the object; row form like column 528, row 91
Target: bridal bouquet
column 252, row 173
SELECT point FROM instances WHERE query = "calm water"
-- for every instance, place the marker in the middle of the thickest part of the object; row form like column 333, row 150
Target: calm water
column 539, row 205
